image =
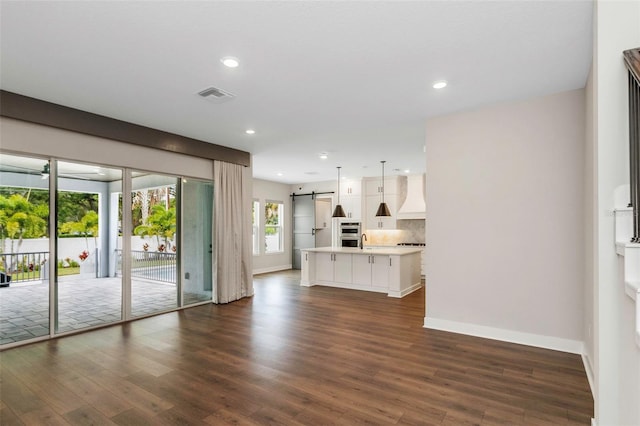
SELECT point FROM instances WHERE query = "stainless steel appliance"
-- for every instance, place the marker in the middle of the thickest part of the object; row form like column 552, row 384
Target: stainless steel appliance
column 349, row 234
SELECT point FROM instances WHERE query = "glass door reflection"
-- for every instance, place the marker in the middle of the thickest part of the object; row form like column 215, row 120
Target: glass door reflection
column 197, row 246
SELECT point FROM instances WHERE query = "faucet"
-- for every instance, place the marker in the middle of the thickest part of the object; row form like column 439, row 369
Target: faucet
column 365, row 238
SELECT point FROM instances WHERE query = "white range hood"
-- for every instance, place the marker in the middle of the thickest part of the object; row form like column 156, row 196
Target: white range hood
column 414, row 206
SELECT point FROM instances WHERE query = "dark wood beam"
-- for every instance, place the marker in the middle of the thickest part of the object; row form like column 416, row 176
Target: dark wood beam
column 13, row 105
column 632, row 59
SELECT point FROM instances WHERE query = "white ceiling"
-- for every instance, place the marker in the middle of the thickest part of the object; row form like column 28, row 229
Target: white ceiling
column 352, row 79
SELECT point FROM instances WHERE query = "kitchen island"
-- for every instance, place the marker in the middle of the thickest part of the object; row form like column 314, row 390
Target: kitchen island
column 391, row 270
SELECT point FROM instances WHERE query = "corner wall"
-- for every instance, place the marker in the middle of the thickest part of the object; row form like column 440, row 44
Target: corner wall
column 590, row 210
column 616, row 356
column 504, row 222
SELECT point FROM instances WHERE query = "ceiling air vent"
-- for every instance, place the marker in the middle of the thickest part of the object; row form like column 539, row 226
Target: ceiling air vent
column 216, row 95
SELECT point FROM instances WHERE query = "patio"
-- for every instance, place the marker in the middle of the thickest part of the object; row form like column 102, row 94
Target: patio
column 82, row 302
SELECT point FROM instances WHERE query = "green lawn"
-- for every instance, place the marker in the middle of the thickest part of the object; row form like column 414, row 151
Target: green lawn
column 26, row 276
column 68, row 271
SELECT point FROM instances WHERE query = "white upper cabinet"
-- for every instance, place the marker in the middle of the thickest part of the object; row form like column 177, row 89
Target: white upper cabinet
column 352, row 206
column 373, row 188
column 351, row 199
column 350, row 187
column 385, row 222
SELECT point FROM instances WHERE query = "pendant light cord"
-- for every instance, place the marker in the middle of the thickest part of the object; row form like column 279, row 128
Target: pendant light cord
column 338, row 184
column 383, row 180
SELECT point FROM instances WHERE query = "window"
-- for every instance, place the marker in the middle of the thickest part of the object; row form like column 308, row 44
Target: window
column 273, row 216
column 255, row 220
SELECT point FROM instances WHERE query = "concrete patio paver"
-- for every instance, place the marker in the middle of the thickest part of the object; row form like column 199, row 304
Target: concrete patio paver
column 82, row 302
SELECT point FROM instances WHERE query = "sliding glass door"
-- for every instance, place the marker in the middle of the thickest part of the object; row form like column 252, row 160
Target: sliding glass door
column 88, row 290
column 154, row 250
column 64, row 265
column 197, row 252
column 24, row 248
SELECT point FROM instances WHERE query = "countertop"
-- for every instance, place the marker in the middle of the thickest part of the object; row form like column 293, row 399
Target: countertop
column 367, row 250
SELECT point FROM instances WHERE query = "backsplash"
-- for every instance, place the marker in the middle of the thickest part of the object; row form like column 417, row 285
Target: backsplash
column 413, row 230
column 408, row 231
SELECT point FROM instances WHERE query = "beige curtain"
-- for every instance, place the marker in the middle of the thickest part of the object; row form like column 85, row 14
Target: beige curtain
column 232, row 236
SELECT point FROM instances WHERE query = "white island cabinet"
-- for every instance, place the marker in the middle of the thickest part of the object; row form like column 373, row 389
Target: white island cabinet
column 391, row 270
column 333, row 267
column 371, row 270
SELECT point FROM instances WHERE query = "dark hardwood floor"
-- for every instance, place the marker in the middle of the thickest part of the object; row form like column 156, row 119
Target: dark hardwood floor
column 290, row 355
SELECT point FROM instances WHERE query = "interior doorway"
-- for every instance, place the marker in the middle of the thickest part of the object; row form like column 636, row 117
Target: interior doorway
column 323, row 222
column 312, row 223
column 304, row 213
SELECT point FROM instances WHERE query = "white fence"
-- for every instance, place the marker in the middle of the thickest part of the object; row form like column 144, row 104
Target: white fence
column 72, row 247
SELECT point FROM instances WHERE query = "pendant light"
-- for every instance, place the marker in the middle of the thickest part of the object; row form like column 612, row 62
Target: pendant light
column 383, row 209
column 339, row 211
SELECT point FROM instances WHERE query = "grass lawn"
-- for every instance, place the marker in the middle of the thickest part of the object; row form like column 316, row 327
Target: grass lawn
column 68, row 271
column 26, row 276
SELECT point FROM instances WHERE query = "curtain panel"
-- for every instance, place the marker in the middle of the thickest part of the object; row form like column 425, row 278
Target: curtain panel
column 232, row 237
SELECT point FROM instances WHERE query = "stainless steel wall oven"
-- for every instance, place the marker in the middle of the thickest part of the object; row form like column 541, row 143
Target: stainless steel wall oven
column 349, row 234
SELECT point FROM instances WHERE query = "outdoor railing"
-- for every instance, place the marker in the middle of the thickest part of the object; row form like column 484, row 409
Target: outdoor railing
column 20, row 267
column 155, row 266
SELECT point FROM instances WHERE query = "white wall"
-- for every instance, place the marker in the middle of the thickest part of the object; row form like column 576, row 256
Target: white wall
column 504, row 221
column 309, row 187
column 616, row 357
column 273, row 191
column 589, row 220
column 67, row 247
column 22, row 137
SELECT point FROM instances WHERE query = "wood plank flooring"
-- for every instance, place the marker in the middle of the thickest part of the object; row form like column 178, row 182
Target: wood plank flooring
column 290, row 356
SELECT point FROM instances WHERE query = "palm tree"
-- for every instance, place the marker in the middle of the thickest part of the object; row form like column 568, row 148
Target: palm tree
column 21, row 219
column 160, row 224
column 87, row 227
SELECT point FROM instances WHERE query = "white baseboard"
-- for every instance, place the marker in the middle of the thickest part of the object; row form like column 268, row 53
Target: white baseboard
column 408, row 290
column 272, row 269
column 589, row 369
column 547, row 342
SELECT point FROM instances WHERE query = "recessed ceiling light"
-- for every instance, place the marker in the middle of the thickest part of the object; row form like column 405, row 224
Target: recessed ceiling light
column 407, row 171
column 250, row 132
column 279, row 174
column 230, row 61
column 440, row 84
column 323, row 156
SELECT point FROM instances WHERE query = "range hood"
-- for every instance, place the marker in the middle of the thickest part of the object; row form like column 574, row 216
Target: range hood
column 414, row 206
